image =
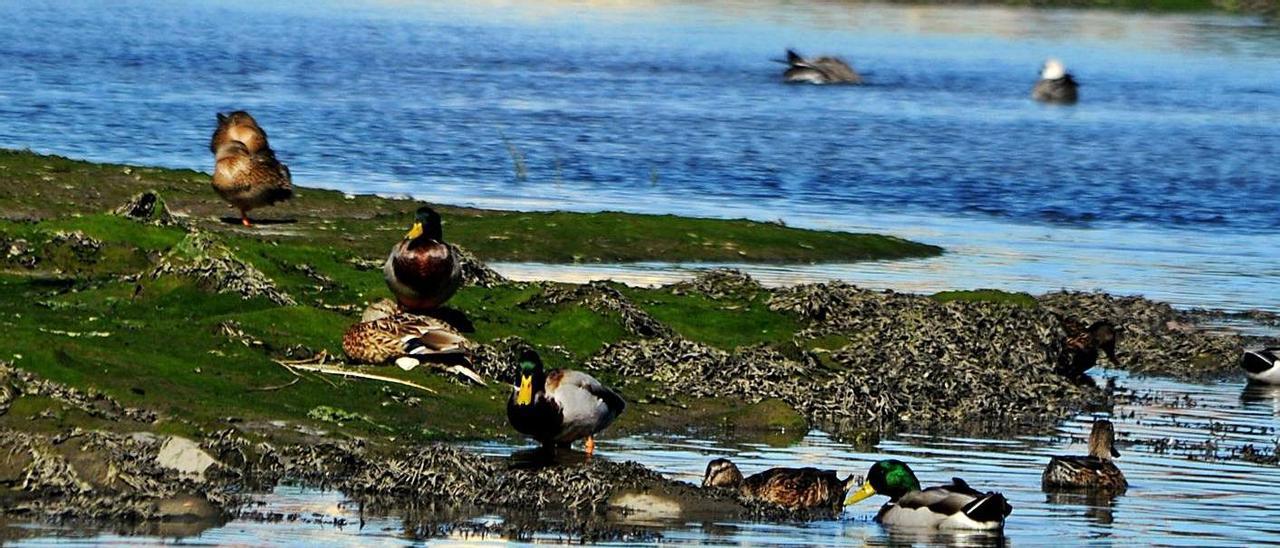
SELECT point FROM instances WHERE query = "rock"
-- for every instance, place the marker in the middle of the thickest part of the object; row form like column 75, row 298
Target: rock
column 184, row 456
column 185, row 508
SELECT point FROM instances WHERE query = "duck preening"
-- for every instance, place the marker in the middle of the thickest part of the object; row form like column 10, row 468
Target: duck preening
column 794, row 488
column 1080, row 352
column 1095, row 471
column 248, row 179
column 1262, row 365
column 560, row 406
column 1056, row 85
column 820, row 70
column 238, row 126
column 952, row 506
column 422, row 271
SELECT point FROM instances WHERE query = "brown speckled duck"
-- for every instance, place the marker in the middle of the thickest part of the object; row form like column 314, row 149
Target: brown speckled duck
column 249, row 180
column 560, row 406
column 1093, row 472
column 239, row 126
column 422, row 270
column 1080, row 353
column 386, row 334
column 793, row 488
column 820, row 70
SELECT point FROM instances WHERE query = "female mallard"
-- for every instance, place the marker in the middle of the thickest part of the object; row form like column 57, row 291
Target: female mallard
column 954, row 506
column 1096, row 471
column 249, row 180
column 1056, row 85
column 423, row 271
column 239, row 126
column 821, row 70
column 1262, row 365
column 794, row 488
column 1080, row 352
column 560, row 406
column 381, row 337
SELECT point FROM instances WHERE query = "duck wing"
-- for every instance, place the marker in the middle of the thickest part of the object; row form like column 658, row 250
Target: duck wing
column 586, row 382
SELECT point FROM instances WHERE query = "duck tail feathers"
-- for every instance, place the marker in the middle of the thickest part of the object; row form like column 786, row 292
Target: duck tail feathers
column 991, row 507
column 794, row 58
column 433, row 343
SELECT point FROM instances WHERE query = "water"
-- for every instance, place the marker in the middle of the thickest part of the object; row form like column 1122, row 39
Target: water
column 1163, row 181
column 1176, row 497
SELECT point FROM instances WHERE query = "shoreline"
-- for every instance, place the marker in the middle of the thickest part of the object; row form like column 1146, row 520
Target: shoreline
column 127, row 333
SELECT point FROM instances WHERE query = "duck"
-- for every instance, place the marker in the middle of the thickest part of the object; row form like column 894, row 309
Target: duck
column 422, row 271
column 821, row 70
column 1262, row 365
column 560, row 406
column 1056, row 85
column 951, row 506
column 1093, row 472
column 1080, row 352
column 238, row 126
column 387, row 334
column 249, row 180
column 792, row 488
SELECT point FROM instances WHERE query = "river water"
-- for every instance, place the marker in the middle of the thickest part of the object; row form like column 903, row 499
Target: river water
column 1163, row 181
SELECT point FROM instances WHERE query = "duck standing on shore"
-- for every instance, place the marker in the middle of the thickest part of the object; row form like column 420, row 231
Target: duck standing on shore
column 422, row 271
column 793, row 488
column 560, row 406
column 952, row 506
column 1056, row 85
column 239, row 126
column 1094, row 471
column 249, row 180
column 1080, row 353
column 820, row 70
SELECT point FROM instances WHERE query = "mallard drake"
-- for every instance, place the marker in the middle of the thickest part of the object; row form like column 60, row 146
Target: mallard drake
column 423, row 271
column 794, row 488
column 1080, row 352
column 1056, row 85
column 238, row 126
column 560, row 406
column 953, row 506
column 822, row 70
column 1262, row 365
column 1095, row 471
column 249, row 180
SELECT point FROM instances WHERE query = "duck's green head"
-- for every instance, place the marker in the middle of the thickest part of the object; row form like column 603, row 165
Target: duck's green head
column 427, row 223
column 891, row 478
column 530, row 371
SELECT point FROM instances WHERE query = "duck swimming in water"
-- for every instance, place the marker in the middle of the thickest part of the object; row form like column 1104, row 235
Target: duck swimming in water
column 249, row 180
column 1080, row 353
column 794, row 488
column 952, row 506
column 821, row 70
column 1262, row 365
column 1095, row 471
column 1056, row 85
column 560, row 406
column 422, row 271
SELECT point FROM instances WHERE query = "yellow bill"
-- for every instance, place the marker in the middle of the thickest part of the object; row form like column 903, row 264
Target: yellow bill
column 525, row 395
column 861, row 494
column 414, row 232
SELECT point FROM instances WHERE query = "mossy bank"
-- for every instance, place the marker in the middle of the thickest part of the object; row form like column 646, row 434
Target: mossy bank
column 162, row 318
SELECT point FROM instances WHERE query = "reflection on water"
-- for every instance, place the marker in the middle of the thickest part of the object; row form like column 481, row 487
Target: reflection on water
column 1175, row 497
